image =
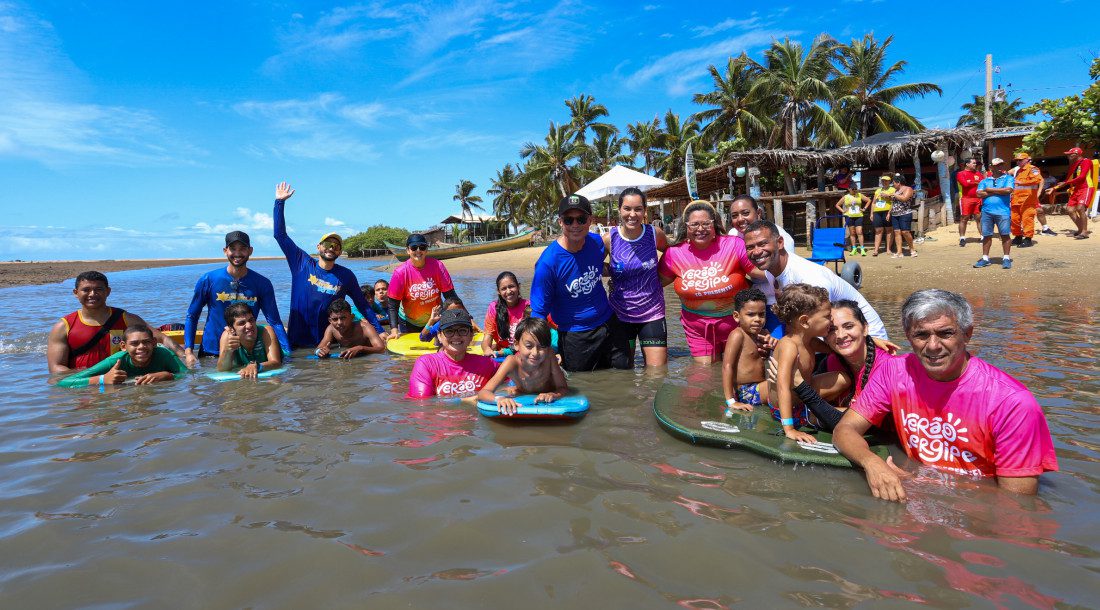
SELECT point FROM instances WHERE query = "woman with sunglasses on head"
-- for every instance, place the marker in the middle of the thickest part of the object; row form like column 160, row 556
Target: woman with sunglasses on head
column 637, row 296
column 568, row 286
column 417, row 286
column 707, row 269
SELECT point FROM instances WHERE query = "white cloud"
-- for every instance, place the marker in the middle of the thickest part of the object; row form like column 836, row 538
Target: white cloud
column 680, row 71
column 255, row 220
column 332, row 222
column 728, row 24
column 318, row 128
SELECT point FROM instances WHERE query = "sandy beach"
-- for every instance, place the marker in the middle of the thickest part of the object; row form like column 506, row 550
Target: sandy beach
column 30, row 273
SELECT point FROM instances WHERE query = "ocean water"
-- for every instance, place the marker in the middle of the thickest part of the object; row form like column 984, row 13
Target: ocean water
column 326, row 488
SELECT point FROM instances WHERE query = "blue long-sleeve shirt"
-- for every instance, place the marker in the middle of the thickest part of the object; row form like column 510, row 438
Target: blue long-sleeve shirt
column 569, row 287
column 313, row 288
column 217, row 290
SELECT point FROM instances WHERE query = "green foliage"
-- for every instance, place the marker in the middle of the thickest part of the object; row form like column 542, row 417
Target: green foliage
column 1075, row 118
column 1005, row 114
column 372, row 239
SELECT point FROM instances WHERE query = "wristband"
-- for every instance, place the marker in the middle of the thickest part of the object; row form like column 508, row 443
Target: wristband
column 787, row 421
column 259, row 367
column 101, row 381
column 730, row 402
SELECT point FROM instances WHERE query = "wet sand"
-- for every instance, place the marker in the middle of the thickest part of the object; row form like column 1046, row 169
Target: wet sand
column 32, row 273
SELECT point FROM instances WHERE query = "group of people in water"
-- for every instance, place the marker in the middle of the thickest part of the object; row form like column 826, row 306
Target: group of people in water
column 792, row 336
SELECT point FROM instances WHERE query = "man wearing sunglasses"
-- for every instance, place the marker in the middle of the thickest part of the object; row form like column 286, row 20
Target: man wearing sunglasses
column 568, row 287
column 220, row 288
column 316, row 283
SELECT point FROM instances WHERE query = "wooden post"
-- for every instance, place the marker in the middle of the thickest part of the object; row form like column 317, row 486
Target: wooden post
column 777, row 212
column 945, row 188
column 919, row 192
column 820, row 177
column 811, row 218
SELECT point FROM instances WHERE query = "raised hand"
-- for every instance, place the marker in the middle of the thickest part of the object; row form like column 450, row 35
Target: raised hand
column 232, row 342
column 283, row 191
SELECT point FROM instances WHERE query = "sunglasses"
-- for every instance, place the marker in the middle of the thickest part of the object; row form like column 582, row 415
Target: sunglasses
column 419, row 247
column 461, row 331
column 569, row 220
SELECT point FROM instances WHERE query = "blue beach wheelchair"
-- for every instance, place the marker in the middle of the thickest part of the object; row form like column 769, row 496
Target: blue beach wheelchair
column 828, row 247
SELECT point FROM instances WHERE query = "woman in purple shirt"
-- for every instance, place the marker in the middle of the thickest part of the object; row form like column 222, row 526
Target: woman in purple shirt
column 637, row 297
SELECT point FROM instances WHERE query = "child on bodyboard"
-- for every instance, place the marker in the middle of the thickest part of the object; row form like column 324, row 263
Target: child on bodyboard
column 245, row 345
column 533, row 369
column 353, row 336
column 743, row 360
column 805, row 310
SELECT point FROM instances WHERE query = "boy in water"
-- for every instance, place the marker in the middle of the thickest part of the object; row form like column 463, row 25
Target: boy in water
column 743, row 360
column 141, row 360
column 349, row 334
column 431, row 329
column 247, row 346
column 806, row 312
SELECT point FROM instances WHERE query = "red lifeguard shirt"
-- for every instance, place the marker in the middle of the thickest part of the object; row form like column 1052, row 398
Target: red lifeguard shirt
column 79, row 331
column 968, row 183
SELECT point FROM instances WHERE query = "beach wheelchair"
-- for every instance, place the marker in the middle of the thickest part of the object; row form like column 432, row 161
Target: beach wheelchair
column 828, row 247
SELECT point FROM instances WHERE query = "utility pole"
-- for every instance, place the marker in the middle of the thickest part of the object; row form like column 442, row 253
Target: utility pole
column 988, row 94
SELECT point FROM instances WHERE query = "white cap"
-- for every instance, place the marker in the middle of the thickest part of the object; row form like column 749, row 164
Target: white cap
column 996, row 161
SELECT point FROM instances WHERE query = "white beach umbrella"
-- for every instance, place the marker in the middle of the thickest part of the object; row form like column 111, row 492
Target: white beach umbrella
column 615, row 180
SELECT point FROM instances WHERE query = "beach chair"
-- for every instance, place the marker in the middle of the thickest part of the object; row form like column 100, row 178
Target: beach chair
column 828, row 247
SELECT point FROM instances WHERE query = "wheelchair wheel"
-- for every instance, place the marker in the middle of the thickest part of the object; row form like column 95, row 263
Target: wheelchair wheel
column 853, row 274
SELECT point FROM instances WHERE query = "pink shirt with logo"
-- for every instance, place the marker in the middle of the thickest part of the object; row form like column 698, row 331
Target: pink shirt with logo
column 515, row 315
column 419, row 290
column 707, row 279
column 983, row 423
column 437, row 375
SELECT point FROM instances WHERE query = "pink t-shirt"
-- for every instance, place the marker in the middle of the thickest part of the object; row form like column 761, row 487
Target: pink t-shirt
column 515, row 315
column 419, row 290
column 983, row 423
column 437, row 375
column 708, row 279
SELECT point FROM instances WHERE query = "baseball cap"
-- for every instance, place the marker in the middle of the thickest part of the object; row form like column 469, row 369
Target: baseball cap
column 1074, row 151
column 574, row 202
column 999, row 161
column 240, row 236
column 416, row 239
column 886, row 178
column 1021, row 155
column 335, row 236
column 454, row 317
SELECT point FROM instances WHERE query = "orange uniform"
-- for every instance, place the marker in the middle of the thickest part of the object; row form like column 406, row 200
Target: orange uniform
column 1025, row 200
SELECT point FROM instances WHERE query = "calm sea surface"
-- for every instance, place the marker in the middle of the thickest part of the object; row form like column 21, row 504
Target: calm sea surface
column 325, row 488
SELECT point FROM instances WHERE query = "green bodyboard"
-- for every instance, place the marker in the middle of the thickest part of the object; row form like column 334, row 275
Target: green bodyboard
column 697, row 416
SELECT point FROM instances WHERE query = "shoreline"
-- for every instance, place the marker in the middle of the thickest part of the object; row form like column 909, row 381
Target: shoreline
column 35, row 273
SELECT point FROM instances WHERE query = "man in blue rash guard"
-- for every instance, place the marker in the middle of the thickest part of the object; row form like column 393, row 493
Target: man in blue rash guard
column 220, row 288
column 316, row 283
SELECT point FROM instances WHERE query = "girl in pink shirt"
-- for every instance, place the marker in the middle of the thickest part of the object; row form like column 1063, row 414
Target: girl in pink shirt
column 451, row 372
column 504, row 315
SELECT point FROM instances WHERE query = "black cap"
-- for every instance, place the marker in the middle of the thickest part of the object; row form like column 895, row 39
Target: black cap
column 416, row 239
column 240, row 236
column 574, row 202
column 454, row 317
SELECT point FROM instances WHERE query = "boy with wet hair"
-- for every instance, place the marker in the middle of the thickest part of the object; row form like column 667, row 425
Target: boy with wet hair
column 806, row 311
column 245, row 346
column 743, row 360
column 349, row 334
column 141, row 360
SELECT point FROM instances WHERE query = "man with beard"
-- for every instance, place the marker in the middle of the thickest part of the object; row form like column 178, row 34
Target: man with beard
column 220, row 288
column 744, row 210
column 316, row 283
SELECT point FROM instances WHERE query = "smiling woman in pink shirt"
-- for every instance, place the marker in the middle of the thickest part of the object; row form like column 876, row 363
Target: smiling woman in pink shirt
column 451, row 372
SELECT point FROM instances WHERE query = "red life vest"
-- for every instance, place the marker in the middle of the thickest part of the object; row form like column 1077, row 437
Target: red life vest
column 80, row 332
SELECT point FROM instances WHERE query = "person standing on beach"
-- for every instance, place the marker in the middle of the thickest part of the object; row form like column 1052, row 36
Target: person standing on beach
column 1025, row 200
column 637, row 297
column 969, row 202
column 568, row 287
column 901, row 216
column 95, row 331
column 1077, row 178
column 995, row 213
column 881, row 203
column 220, row 288
column 316, row 283
column 417, row 286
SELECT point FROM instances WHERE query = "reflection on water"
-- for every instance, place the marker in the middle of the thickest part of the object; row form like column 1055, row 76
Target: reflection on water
column 324, row 487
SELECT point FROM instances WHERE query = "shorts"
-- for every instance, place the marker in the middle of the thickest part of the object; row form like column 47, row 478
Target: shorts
column 602, row 347
column 878, row 220
column 853, row 221
column 706, row 335
column 800, row 414
column 1003, row 222
column 749, row 394
column 645, row 334
column 902, row 222
column 407, row 327
column 1080, row 197
column 970, row 206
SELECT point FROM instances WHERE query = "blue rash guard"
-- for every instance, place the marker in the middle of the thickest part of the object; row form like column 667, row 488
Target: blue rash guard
column 217, row 290
column 569, row 287
column 312, row 289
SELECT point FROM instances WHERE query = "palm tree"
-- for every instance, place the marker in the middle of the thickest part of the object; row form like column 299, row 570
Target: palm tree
column 796, row 82
column 584, row 113
column 465, row 199
column 865, row 99
column 505, row 190
column 1005, row 114
column 552, row 160
column 737, row 113
column 645, row 139
column 607, row 152
column 677, row 136
column 537, row 201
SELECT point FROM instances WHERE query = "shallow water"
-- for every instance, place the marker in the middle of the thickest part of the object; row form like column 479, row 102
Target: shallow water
column 325, row 488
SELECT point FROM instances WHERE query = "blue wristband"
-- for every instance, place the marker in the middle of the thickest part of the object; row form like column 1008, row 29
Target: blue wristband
column 259, row 367
column 787, row 421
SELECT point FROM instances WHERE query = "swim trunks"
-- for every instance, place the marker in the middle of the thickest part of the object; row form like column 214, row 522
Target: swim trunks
column 801, row 414
column 749, row 394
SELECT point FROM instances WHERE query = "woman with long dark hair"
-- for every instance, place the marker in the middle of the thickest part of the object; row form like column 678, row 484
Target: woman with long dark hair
column 503, row 315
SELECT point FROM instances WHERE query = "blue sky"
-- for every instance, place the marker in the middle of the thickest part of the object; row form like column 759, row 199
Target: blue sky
column 147, row 130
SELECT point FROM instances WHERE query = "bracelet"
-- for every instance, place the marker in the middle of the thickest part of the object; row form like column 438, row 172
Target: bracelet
column 259, row 367
column 787, row 421
column 101, row 381
column 730, row 402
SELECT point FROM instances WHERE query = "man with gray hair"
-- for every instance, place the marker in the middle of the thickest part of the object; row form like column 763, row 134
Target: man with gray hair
column 952, row 410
